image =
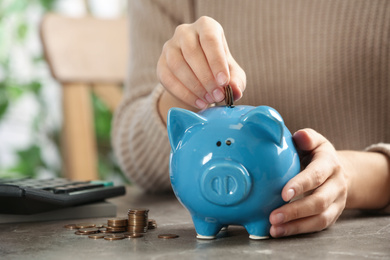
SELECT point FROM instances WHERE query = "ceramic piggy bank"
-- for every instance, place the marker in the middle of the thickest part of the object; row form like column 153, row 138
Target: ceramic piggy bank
column 228, row 166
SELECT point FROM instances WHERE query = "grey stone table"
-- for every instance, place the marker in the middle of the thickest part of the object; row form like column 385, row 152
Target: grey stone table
column 354, row 236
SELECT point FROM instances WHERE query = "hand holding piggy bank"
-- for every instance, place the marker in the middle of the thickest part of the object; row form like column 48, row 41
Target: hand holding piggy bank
column 228, row 166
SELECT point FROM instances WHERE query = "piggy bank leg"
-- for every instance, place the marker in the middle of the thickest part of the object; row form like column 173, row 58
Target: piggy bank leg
column 258, row 229
column 225, row 228
column 206, row 228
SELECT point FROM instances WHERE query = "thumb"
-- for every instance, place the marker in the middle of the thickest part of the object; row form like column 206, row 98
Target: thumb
column 308, row 139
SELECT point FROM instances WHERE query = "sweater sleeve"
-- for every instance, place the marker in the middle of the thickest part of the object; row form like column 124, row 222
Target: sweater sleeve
column 385, row 149
column 139, row 135
column 380, row 148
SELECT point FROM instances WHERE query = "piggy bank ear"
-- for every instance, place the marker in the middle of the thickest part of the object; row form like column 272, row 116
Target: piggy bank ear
column 267, row 122
column 178, row 122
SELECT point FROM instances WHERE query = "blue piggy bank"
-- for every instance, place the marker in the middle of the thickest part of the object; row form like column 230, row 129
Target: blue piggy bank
column 228, row 166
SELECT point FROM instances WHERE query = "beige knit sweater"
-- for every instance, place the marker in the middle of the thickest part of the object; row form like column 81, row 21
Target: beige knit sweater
column 322, row 64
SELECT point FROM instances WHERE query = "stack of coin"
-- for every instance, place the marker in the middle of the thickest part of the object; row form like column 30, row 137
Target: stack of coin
column 136, row 223
column 137, row 220
column 229, row 96
column 116, row 225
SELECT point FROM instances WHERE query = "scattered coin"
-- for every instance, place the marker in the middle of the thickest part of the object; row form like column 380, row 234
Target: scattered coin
column 88, row 230
column 133, row 235
column 80, row 233
column 70, row 226
column 85, row 225
column 96, row 236
column 104, row 230
column 168, row 236
column 114, row 237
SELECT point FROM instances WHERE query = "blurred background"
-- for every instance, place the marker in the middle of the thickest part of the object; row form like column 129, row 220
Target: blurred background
column 30, row 99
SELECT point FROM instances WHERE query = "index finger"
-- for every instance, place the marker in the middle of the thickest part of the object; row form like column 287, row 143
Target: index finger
column 211, row 37
column 315, row 174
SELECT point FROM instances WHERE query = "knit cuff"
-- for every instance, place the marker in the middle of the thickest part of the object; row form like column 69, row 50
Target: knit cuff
column 380, row 148
column 385, row 149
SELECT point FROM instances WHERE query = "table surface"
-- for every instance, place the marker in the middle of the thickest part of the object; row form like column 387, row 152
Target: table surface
column 355, row 235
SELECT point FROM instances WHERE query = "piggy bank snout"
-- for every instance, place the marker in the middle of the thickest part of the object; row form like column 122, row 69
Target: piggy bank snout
column 225, row 182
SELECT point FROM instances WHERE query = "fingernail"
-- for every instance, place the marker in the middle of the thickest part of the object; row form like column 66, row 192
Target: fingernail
column 209, row 98
column 200, row 103
column 222, row 79
column 279, row 231
column 290, row 194
column 279, row 219
column 218, row 95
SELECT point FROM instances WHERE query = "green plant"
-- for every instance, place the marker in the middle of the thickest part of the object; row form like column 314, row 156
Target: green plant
column 24, row 76
column 16, row 31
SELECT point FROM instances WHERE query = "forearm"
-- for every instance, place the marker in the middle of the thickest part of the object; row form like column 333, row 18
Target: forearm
column 368, row 179
column 141, row 144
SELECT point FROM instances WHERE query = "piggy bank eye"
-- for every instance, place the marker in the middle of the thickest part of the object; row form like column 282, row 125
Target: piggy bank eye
column 228, row 142
column 219, row 143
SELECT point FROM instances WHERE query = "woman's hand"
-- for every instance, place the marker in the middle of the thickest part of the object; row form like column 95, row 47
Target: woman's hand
column 324, row 177
column 195, row 65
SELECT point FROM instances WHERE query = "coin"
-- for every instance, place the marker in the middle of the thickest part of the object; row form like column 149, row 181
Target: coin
column 141, row 220
column 136, row 224
column 104, row 230
column 88, row 230
column 137, row 220
column 133, row 229
column 85, row 225
column 116, row 229
column 168, row 236
column 96, row 236
column 117, row 222
column 80, row 233
column 114, row 237
column 228, row 96
column 139, row 217
column 133, row 235
column 152, row 224
column 70, row 226
column 138, row 212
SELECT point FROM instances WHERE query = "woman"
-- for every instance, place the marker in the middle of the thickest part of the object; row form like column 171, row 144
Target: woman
column 322, row 64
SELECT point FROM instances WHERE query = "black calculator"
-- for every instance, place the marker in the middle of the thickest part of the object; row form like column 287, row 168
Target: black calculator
column 30, row 196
